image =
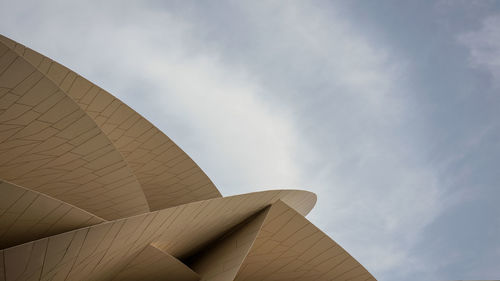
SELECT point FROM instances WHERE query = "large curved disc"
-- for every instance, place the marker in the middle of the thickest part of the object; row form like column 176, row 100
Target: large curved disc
column 167, row 174
column 49, row 144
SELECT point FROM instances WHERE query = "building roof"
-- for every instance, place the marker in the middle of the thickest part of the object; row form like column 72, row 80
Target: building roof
column 91, row 190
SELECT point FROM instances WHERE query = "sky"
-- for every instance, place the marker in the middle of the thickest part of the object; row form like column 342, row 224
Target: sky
column 388, row 110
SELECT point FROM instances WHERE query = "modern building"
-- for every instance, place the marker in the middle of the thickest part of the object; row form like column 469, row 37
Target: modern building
column 90, row 190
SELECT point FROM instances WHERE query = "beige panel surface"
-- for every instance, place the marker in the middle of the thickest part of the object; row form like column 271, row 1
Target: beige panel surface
column 152, row 264
column 99, row 252
column 26, row 215
column 167, row 174
column 49, row 144
column 222, row 259
column 289, row 247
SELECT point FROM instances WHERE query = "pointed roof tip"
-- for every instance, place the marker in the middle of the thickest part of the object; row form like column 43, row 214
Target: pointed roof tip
column 303, row 201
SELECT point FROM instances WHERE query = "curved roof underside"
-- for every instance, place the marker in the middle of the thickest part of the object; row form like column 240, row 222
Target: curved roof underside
column 167, row 175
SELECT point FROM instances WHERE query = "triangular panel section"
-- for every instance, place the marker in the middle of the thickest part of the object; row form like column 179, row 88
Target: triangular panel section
column 27, row 215
column 222, row 259
column 289, row 247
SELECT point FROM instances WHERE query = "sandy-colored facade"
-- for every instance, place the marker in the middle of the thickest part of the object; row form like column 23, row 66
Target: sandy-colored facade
column 90, row 190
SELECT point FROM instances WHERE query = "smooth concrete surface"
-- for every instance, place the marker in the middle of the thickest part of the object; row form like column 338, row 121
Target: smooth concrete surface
column 90, row 190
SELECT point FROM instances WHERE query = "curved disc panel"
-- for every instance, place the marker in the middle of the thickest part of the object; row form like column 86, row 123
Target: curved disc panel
column 167, row 174
column 49, row 144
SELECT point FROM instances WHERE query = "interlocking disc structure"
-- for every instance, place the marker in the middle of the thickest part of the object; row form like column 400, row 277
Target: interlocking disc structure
column 90, row 190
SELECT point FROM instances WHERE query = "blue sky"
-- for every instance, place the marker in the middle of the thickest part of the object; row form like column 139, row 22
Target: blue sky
column 387, row 110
